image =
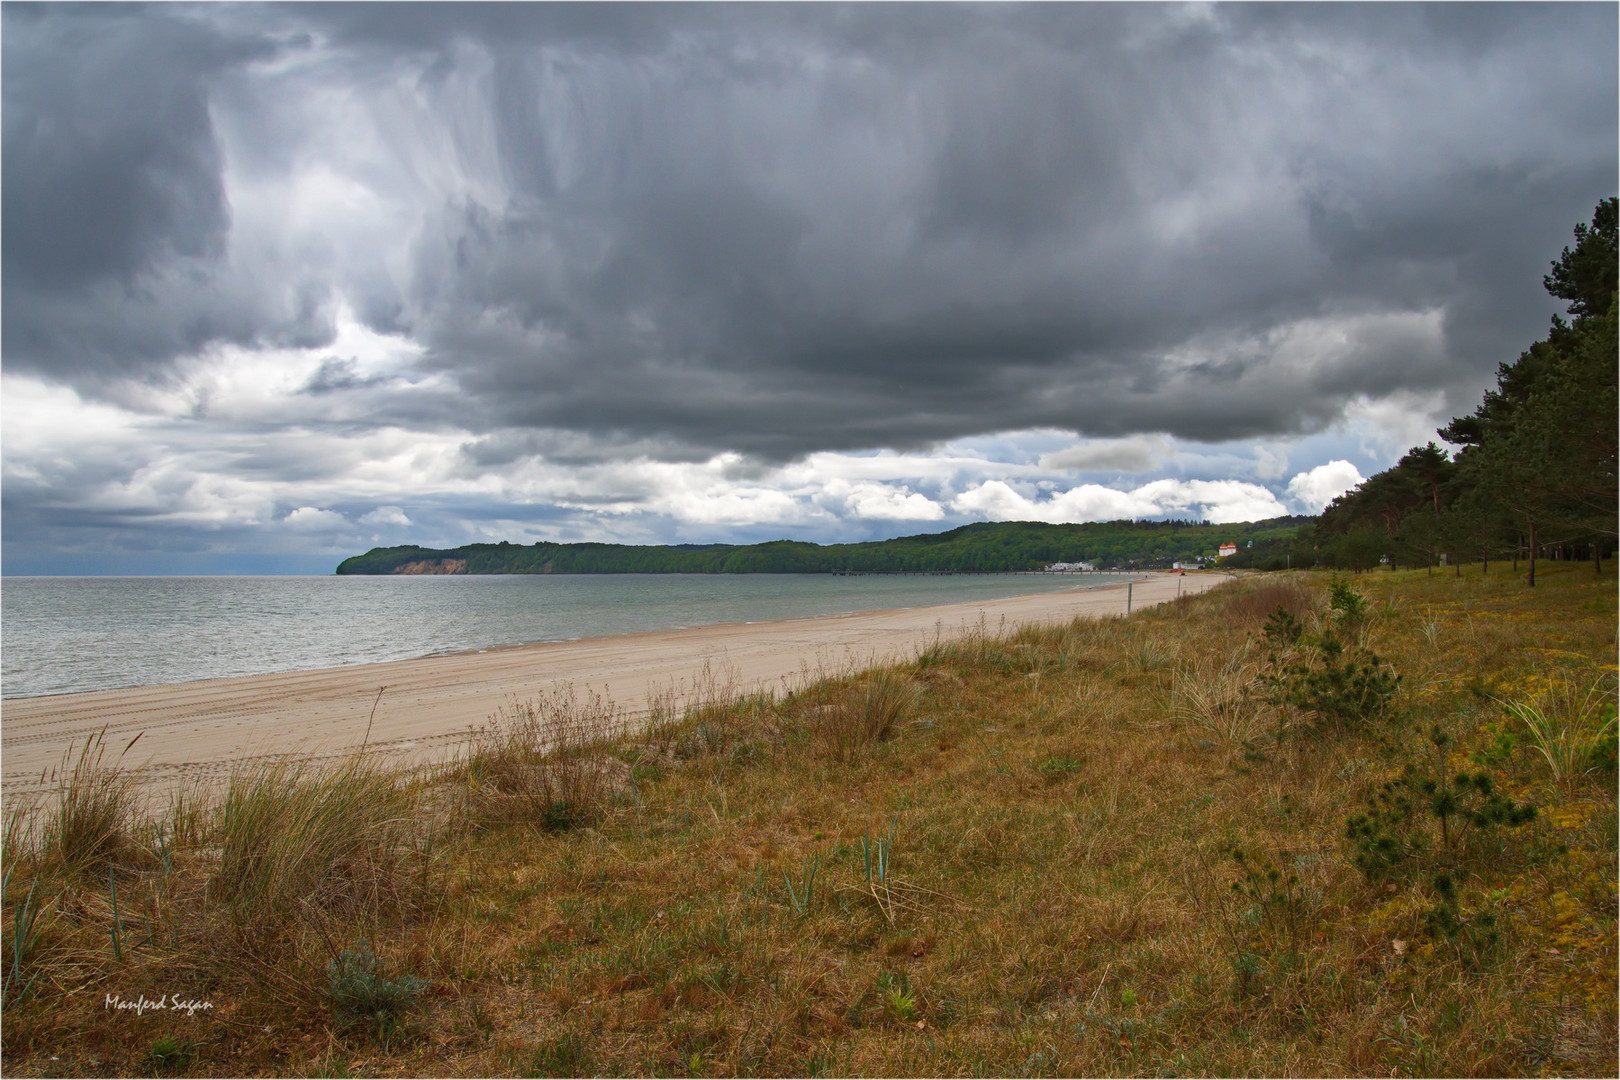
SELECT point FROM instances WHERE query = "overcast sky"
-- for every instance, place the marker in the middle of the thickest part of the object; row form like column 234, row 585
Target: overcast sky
column 284, row 283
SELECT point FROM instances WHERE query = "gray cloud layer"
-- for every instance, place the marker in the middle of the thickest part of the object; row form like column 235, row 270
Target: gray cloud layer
column 778, row 230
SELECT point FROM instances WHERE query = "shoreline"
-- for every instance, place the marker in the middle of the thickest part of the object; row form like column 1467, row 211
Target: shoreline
column 196, row 731
column 36, row 667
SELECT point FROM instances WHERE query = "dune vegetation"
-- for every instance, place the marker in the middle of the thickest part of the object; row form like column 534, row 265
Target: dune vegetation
column 1298, row 825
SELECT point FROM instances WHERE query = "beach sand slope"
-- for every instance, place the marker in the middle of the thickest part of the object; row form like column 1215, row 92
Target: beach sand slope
column 196, row 731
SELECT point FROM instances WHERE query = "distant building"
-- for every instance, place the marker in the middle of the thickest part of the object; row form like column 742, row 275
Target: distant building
column 1188, row 564
column 1228, row 549
column 1070, row 566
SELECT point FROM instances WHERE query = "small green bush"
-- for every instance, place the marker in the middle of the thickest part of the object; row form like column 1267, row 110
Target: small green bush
column 1349, row 605
column 1472, row 933
column 1336, row 688
column 1394, row 830
column 1282, row 628
column 360, row 992
column 167, row 1055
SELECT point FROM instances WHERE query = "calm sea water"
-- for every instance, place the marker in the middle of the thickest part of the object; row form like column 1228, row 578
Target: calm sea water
column 59, row 635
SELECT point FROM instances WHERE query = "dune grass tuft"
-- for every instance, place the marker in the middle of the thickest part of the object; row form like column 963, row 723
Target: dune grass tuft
column 544, row 762
column 1222, row 695
column 1571, row 727
column 860, row 712
column 299, row 838
column 86, row 826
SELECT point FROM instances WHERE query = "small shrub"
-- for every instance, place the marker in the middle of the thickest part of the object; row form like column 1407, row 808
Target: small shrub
column 167, row 1055
column 1472, row 933
column 898, row 998
column 1392, row 834
column 361, row 992
column 1282, row 628
column 1277, row 899
column 1335, row 688
column 901, row 1005
column 1349, row 605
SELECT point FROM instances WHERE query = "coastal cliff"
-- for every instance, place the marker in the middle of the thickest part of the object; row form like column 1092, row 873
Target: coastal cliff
column 432, row 566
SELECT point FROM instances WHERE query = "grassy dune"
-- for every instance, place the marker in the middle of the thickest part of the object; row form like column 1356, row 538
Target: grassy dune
column 1376, row 836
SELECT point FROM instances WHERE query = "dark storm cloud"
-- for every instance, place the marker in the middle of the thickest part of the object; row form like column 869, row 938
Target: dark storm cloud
column 116, row 217
column 112, row 161
column 782, row 229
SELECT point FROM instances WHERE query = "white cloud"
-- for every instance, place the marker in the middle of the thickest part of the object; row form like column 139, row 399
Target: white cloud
column 1321, row 485
column 744, row 506
column 1389, row 426
column 314, row 519
column 1270, row 464
column 879, row 502
column 385, row 515
column 1219, row 501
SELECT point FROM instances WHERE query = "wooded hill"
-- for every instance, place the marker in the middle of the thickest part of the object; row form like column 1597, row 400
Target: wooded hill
column 1535, row 476
column 984, row 546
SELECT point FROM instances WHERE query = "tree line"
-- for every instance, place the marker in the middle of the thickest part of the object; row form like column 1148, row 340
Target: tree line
column 982, row 546
column 1534, row 475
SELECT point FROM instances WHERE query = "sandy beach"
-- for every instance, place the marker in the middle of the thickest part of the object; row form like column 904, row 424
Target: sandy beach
column 198, row 730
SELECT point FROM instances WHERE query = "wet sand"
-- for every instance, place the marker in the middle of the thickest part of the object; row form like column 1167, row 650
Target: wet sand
column 198, row 730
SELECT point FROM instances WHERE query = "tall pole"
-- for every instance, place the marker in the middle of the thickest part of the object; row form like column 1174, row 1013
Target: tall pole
column 1127, row 598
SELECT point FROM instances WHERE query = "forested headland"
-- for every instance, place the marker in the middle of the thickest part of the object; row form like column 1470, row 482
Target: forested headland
column 1534, row 475
column 981, row 547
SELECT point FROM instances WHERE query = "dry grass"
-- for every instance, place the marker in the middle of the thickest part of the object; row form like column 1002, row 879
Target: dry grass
column 1569, row 724
column 1222, row 696
column 297, row 840
column 862, row 711
column 1016, row 855
column 88, row 826
column 544, row 762
column 1249, row 603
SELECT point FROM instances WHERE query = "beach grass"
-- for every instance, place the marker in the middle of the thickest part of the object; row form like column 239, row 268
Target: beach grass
column 1202, row 840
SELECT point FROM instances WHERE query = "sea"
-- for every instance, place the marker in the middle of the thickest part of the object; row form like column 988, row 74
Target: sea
column 61, row 635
